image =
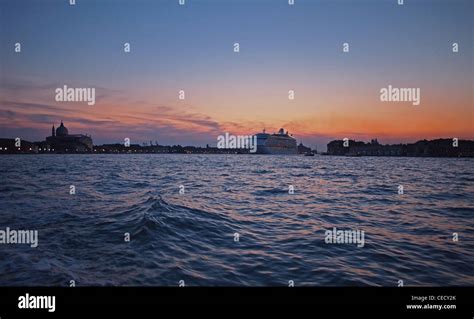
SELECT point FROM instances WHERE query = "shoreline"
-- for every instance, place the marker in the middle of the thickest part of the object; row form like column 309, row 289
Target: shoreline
column 266, row 155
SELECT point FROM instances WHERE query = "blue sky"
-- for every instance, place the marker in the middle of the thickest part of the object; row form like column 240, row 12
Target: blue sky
column 190, row 47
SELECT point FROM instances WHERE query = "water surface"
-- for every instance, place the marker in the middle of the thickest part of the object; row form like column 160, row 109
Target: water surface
column 190, row 236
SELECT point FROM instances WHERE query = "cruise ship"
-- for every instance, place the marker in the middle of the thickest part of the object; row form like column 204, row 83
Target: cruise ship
column 278, row 143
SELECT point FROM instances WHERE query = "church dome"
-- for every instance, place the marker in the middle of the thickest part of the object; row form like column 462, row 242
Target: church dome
column 62, row 130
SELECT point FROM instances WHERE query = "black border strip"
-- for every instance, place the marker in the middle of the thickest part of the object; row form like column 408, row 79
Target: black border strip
column 71, row 300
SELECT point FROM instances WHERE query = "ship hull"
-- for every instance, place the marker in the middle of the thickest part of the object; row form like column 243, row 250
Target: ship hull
column 276, row 151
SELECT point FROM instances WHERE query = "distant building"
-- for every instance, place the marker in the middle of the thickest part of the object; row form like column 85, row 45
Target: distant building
column 303, row 149
column 434, row 148
column 61, row 141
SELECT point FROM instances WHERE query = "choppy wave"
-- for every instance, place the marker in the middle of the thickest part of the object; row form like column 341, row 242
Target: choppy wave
column 192, row 236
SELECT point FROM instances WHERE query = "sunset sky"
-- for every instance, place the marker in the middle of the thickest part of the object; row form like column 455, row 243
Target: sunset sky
column 282, row 48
